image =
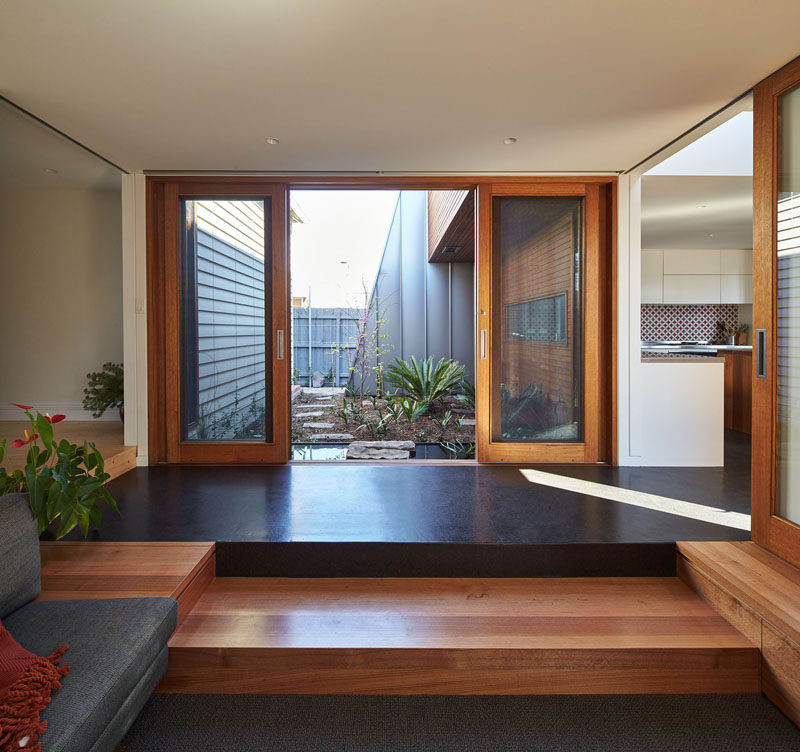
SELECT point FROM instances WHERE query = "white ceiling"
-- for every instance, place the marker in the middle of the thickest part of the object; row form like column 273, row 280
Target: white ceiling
column 28, row 149
column 419, row 85
column 671, row 217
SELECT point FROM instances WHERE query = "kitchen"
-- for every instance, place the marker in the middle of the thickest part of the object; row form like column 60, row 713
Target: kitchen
column 697, row 295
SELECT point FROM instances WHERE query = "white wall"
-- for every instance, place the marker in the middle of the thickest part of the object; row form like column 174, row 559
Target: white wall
column 61, row 305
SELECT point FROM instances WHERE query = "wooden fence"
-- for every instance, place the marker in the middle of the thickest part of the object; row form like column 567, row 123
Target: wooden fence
column 324, row 342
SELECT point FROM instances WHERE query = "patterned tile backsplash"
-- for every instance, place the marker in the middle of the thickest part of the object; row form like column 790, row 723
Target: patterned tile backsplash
column 686, row 322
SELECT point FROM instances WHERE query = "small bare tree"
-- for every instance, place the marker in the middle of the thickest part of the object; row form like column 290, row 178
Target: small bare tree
column 369, row 340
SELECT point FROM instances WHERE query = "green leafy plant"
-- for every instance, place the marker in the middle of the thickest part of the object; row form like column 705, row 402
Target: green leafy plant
column 529, row 411
column 106, row 389
column 411, row 409
column 423, row 381
column 394, row 410
column 458, row 449
column 467, row 394
column 376, row 426
column 443, row 422
column 64, row 481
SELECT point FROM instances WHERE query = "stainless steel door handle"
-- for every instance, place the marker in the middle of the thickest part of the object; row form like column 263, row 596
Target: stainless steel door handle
column 280, row 343
column 484, row 340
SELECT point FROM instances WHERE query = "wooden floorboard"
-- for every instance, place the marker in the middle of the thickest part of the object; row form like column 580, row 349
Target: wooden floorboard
column 107, row 435
column 97, row 569
column 422, row 635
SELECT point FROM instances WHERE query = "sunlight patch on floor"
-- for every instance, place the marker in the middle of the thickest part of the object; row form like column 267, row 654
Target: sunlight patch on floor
column 640, row 499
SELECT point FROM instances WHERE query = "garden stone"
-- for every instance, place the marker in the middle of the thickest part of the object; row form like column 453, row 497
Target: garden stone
column 468, row 421
column 332, row 436
column 324, row 406
column 318, row 425
column 317, row 378
column 322, row 391
column 312, row 414
column 380, row 450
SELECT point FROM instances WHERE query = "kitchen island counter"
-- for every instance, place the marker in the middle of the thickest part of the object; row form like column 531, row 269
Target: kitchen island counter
column 684, row 413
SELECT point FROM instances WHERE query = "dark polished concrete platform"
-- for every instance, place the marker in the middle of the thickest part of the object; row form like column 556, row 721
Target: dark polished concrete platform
column 432, row 520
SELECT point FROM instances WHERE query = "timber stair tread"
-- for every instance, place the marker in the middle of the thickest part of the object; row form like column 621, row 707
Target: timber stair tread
column 457, row 635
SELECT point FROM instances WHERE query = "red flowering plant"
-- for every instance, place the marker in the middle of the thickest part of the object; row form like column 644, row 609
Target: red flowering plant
column 64, row 481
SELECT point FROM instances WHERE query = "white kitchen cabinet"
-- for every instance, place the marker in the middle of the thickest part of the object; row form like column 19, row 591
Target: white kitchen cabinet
column 736, row 261
column 683, row 261
column 691, row 288
column 652, row 276
column 736, row 288
column 684, row 410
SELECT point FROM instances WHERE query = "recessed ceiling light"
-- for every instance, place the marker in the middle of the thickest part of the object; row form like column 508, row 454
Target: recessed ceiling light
column 51, row 171
column 509, row 140
column 272, row 141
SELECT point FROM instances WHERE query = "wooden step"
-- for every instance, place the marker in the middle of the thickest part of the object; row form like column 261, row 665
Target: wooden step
column 457, row 636
column 759, row 594
column 102, row 569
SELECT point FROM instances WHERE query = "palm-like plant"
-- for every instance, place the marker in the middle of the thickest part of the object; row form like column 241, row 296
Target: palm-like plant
column 422, row 381
column 467, row 395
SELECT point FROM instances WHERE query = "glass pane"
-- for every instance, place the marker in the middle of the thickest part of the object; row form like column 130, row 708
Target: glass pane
column 225, row 314
column 538, row 270
column 788, row 299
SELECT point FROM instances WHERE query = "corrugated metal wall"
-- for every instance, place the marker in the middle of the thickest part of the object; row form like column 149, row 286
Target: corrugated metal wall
column 423, row 309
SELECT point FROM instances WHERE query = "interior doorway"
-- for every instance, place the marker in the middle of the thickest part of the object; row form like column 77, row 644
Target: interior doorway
column 696, row 316
column 383, row 324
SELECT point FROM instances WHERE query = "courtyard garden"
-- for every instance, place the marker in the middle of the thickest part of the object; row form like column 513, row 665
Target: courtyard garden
column 415, row 404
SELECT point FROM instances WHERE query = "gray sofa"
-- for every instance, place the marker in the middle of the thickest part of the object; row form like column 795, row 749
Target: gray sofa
column 117, row 647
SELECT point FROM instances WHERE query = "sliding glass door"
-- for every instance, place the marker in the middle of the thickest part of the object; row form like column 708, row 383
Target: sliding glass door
column 776, row 314
column 226, row 375
column 544, row 366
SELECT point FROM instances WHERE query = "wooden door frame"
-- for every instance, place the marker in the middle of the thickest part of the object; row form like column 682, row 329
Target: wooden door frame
column 774, row 533
column 598, row 330
column 157, row 221
column 163, row 336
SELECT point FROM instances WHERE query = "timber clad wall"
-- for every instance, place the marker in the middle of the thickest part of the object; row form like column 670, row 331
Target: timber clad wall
column 230, row 310
column 539, row 266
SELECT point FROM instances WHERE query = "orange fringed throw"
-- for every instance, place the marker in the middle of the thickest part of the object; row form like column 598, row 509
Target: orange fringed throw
column 26, row 681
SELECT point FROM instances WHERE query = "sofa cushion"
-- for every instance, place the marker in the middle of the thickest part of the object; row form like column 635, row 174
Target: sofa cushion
column 20, row 567
column 112, row 644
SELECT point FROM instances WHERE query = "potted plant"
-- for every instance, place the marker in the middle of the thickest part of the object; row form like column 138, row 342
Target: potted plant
column 728, row 332
column 106, row 389
column 64, row 481
column 741, row 334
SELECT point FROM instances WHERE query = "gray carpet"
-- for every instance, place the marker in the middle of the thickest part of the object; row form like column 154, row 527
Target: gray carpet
column 699, row 723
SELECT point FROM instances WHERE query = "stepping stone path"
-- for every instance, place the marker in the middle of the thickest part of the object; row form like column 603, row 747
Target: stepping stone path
column 468, row 421
column 380, row 450
column 332, row 436
column 318, row 425
column 313, row 414
column 324, row 406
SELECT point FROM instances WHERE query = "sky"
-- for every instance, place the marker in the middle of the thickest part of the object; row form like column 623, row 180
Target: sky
column 726, row 150
column 338, row 244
